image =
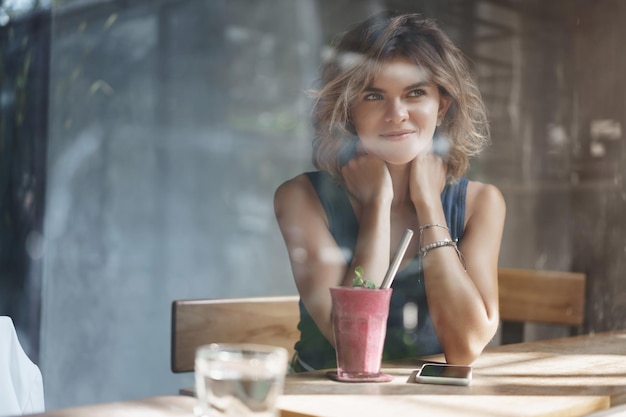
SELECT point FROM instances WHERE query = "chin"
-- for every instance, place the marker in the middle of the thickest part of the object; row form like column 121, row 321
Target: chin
column 403, row 157
column 403, row 160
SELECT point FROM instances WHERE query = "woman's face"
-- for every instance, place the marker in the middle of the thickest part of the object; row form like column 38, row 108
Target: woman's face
column 395, row 117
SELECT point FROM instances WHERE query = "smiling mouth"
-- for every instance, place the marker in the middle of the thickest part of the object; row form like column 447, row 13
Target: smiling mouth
column 398, row 135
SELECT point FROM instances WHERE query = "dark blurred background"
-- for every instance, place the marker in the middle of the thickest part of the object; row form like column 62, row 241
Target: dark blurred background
column 141, row 142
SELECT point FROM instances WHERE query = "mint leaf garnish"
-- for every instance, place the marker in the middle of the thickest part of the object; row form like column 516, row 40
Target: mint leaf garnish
column 358, row 280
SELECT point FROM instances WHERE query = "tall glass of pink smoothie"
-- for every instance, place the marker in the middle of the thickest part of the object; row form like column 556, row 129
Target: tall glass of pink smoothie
column 360, row 325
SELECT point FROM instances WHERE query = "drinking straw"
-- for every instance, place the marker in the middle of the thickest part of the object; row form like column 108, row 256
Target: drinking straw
column 397, row 258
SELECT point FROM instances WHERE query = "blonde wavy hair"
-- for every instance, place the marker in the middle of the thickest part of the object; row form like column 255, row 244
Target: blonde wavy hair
column 356, row 59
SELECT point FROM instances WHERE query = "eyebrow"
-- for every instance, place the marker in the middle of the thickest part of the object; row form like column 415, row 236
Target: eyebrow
column 419, row 84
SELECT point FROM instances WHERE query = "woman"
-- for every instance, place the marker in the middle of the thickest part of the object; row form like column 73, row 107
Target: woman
column 396, row 119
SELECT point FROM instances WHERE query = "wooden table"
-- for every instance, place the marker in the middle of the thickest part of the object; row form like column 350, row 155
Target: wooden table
column 560, row 377
column 163, row 406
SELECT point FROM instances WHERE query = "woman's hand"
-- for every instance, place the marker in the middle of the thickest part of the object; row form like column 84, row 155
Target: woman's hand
column 367, row 179
column 428, row 178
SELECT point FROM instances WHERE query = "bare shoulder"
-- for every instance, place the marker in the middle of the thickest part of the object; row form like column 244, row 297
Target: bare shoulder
column 484, row 199
column 295, row 188
column 296, row 195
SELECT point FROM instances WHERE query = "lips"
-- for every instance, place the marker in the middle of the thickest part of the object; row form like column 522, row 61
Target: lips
column 397, row 134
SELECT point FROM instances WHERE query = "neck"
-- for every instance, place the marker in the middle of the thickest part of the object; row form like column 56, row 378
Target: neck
column 400, row 179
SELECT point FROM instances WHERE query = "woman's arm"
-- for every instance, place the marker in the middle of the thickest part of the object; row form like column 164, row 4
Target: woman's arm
column 463, row 303
column 316, row 261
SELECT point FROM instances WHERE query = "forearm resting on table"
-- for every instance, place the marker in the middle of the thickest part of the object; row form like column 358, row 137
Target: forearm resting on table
column 464, row 321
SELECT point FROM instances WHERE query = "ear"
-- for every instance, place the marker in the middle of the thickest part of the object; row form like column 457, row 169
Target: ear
column 444, row 104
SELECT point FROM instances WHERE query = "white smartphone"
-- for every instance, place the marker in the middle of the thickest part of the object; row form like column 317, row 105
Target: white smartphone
column 438, row 373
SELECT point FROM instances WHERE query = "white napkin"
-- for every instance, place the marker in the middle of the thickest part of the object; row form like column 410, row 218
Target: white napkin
column 21, row 384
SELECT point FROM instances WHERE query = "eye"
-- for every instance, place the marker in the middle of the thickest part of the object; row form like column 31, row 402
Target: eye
column 417, row 93
column 372, row 96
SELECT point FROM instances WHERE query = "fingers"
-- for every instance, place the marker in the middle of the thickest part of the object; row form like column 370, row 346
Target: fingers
column 428, row 165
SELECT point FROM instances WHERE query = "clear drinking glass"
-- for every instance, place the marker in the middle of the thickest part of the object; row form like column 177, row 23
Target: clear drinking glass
column 239, row 379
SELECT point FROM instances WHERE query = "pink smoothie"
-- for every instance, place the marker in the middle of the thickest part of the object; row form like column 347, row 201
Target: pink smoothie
column 360, row 326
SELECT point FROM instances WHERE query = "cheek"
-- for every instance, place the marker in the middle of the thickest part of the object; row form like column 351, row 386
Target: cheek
column 356, row 115
column 367, row 141
column 363, row 122
column 367, row 138
column 428, row 110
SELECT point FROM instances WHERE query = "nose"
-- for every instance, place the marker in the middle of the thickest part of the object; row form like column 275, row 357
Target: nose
column 396, row 111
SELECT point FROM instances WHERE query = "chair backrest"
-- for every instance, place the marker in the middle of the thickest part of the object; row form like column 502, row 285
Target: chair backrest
column 262, row 320
column 542, row 296
column 526, row 295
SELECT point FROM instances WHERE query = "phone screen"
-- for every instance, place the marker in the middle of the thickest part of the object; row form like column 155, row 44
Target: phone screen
column 445, row 371
column 444, row 374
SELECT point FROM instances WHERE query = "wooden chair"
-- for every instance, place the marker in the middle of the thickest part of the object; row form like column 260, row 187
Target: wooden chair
column 263, row 320
column 526, row 296
column 539, row 296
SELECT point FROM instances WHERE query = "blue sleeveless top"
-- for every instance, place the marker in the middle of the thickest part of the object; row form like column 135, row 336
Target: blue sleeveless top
column 313, row 350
